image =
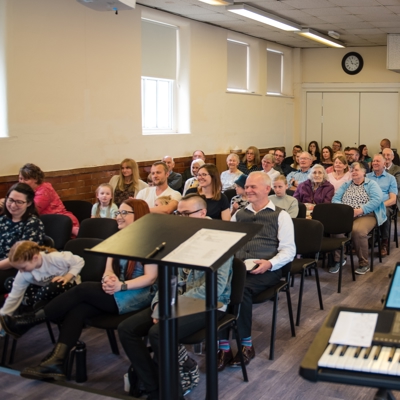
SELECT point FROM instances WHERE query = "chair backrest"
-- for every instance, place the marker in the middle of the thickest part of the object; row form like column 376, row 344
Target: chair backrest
column 289, row 192
column 302, row 210
column 238, row 281
column 80, row 208
column 94, row 264
column 100, row 228
column 336, row 218
column 58, row 227
column 48, row 242
column 308, row 235
column 229, row 194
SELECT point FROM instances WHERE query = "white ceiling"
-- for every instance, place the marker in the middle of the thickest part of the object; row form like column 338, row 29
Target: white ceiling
column 359, row 22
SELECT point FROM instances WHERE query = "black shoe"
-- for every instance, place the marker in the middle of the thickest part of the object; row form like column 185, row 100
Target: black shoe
column 20, row 324
column 51, row 367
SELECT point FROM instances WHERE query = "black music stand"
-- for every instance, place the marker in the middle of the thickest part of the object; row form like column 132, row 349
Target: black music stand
column 136, row 242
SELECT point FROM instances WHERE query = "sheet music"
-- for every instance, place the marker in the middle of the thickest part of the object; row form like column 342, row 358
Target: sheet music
column 205, row 247
column 354, row 329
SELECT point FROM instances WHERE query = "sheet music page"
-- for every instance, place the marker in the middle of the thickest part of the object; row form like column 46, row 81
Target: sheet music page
column 354, row 329
column 205, row 247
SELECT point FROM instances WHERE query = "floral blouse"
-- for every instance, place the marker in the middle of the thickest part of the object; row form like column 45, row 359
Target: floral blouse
column 11, row 232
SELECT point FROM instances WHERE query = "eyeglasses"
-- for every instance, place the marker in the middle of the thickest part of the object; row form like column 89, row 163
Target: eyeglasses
column 186, row 213
column 123, row 213
column 202, row 175
column 18, row 203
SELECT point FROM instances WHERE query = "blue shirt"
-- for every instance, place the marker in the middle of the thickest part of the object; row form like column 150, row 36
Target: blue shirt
column 386, row 182
column 298, row 176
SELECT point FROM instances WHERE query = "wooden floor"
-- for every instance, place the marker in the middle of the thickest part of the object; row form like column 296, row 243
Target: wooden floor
column 278, row 379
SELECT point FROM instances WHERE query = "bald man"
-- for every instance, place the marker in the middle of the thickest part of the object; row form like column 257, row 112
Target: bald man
column 385, row 144
column 174, row 179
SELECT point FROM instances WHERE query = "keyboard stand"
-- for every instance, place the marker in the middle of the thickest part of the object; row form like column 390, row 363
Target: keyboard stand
column 384, row 394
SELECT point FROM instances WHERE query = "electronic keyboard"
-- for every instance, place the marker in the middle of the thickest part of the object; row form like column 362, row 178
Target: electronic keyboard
column 376, row 366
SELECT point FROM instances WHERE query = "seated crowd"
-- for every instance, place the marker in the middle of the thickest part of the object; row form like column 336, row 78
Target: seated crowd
column 268, row 192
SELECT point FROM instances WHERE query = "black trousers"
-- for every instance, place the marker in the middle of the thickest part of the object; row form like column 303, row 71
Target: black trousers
column 254, row 285
column 133, row 329
column 73, row 307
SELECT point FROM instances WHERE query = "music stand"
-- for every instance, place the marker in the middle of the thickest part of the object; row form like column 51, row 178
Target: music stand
column 136, row 242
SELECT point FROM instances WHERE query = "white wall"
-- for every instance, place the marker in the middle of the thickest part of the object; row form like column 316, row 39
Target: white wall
column 74, row 91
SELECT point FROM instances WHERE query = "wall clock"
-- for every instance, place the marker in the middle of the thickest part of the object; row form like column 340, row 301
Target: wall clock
column 352, row 63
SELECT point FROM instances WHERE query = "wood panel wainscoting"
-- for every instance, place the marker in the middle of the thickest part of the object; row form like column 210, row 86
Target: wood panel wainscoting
column 81, row 183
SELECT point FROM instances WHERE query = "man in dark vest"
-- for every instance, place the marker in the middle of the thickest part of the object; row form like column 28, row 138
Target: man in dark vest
column 270, row 250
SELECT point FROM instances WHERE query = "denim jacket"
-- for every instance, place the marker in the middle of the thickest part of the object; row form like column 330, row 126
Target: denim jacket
column 196, row 283
column 134, row 299
column 375, row 203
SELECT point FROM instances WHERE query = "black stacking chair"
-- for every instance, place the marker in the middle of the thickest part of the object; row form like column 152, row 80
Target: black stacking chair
column 272, row 294
column 99, row 228
column 229, row 194
column 48, row 241
column 229, row 320
column 336, row 219
column 58, row 227
column 308, row 235
column 80, row 208
column 302, row 210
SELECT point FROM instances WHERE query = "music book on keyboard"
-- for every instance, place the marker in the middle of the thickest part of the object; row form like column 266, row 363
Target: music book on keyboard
column 377, row 365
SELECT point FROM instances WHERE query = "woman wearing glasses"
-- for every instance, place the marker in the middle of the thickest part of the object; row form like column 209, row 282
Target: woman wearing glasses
column 47, row 201
column 18, row 221
column 126, row 286
column 210, row 188
column 250, row 161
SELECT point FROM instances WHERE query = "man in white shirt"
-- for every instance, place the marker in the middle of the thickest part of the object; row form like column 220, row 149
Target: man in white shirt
column 271, row 249
column 159, row 175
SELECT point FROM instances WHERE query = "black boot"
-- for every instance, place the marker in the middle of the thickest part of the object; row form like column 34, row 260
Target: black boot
column 51, row 367
column 20, row 324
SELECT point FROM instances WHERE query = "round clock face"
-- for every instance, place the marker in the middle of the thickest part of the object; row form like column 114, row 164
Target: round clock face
column 352, row 63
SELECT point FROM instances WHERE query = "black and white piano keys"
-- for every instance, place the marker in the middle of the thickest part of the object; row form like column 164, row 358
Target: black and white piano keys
column 375, row 359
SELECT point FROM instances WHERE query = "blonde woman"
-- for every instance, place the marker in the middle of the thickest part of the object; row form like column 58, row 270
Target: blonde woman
column 250, row 161
column 268, row 163
column 340, row 173
column 128, row 183
column 229, row 177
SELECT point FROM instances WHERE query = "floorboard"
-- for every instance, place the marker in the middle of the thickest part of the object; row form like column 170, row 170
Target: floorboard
column 277, row 379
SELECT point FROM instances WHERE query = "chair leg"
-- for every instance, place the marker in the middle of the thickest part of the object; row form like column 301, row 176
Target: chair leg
column 396, row 238
column 321, row 305
column 290, row 310
column 390, row 234
column 113, row 341
column 300, row 297
column 323, row 260
column 378, row 232
column 239, row 346
column 50, row 332
column 5, row 348
column 372, row 250
column 273, row 328
column 12, row 354
column 292, row 279
column 340, row 271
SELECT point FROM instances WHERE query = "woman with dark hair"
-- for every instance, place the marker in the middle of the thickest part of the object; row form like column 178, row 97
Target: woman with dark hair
column 363, row 150
column 18, row 221
column 327, row 157
column 127, row 184
column 210, row 187
column 126, row 286
column 250, row 161
column 47, row 201
column 313, row 149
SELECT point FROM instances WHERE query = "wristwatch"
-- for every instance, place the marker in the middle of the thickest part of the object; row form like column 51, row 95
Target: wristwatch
column 124, row 287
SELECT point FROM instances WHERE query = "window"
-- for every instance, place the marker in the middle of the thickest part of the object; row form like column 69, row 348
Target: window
column 238, row 66
column 157, row 100
column 159, row 72
column 274, row 72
